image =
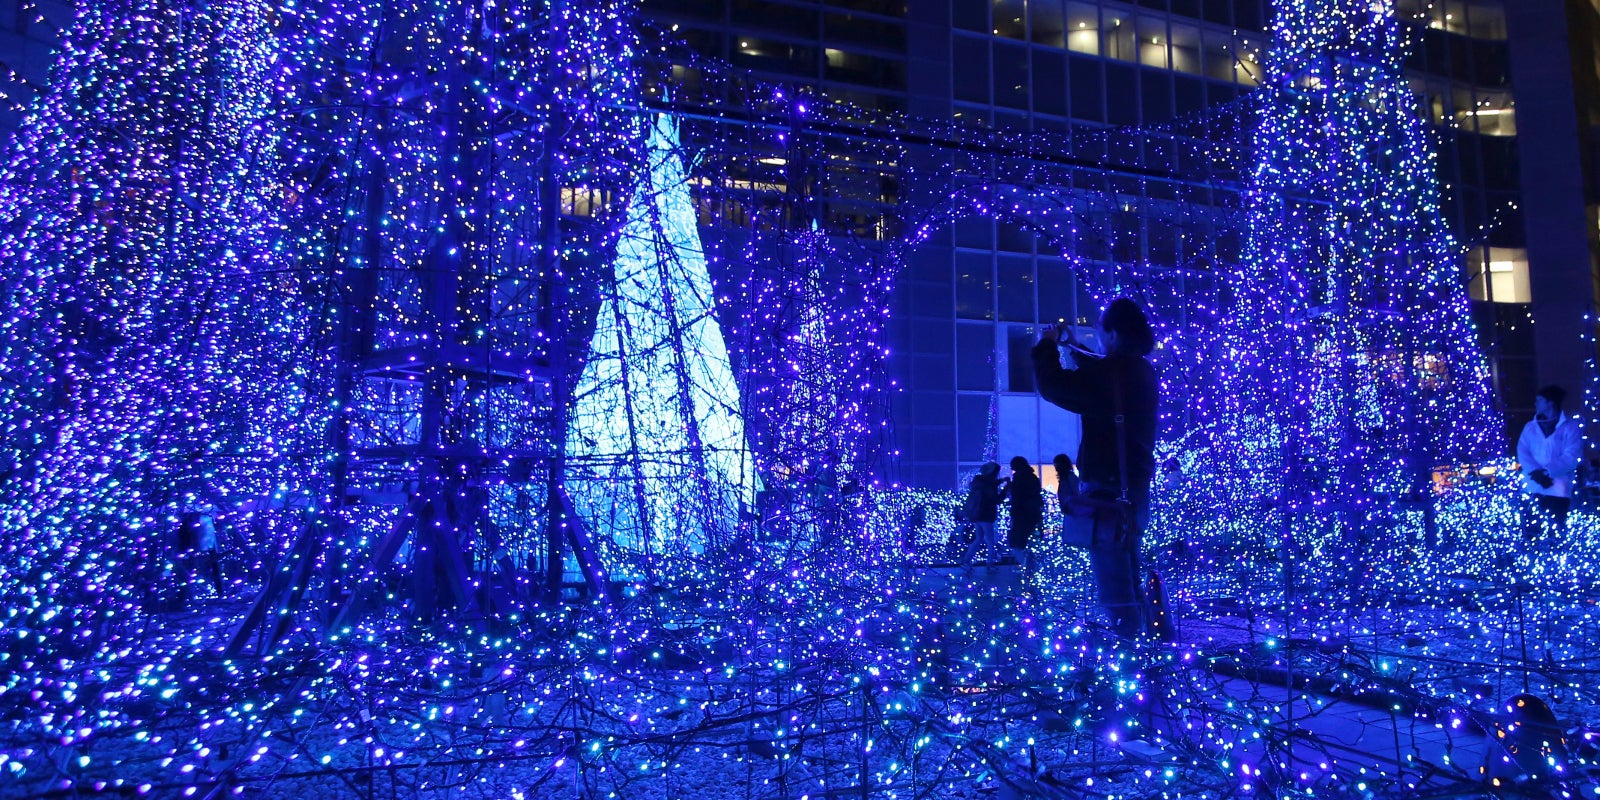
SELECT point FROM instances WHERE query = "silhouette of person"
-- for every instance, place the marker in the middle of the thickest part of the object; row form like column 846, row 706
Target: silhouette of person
column 1103, row 390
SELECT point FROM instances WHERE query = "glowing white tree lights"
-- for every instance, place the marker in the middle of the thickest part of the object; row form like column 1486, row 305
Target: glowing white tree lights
column 657, row 456
column 1350, row 367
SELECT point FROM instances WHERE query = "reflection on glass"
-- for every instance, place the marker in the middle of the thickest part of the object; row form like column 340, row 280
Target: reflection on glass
column 1186, row 49
column 1461, row 108
column 1016, row 287
column 975, row 357
column 975, row 292
column 1480, row 19
column 1499, row 275
column 1448, row 15
column 1218, row 49
column 1046, row 23
column 1486, row 20
column 972, row 78
column 1247, row 67
column 1011, row 75
column 1008, row 19
column 1019, row 357
column 1411, row 10
column 1153, row 41
column 1117, row 37
column 1496, row 114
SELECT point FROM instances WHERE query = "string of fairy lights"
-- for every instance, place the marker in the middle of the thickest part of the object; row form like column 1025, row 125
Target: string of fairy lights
column 254, row 252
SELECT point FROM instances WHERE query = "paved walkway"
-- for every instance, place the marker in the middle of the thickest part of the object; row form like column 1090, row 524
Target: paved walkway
column 1295, row 730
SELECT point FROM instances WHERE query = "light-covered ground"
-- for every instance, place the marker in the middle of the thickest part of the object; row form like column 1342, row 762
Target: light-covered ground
column 1383, row 666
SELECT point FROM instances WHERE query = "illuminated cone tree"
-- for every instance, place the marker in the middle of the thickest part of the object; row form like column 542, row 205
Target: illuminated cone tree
column 658, row 464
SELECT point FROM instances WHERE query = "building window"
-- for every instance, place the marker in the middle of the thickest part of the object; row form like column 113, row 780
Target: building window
column 888, row 8
column 1008, row 20
column 1153, row 41
column 974, row 285
column 1010, row 75
column 1479, row 19
column 1248, row 64
column 1155, row 96
column 775, row 56
column 1046, row 25
column 1087, row 83
column 1117, row 39
column 1058, row 289
column 970, row 64
column 1491, row 113
column 1019, row 357
column 973, row 414
column 1220, row 57
column 975, row 358
column 1083, row 28
column 1016, row 287
column 970, row 16
column 579, row 201
column 710, row 12
column 1122, row 95
column 1186, row 49
column 884, row 73
column 1049, row 83
column 1495, row 113
column 1486, row 20
column 1499, row 275
column 779, row 19
column 856, row 29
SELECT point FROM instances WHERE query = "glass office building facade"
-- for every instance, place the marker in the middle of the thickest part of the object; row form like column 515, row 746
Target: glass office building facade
column 967, row 306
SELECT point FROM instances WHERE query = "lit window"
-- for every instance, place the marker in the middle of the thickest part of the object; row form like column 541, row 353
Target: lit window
column 1118, row 37
column 1499, row 275
column 1480, row 19
column 1083, row 28
column 580, row 201
column 1186, row 49
column 1496, row 114
column 1153, row 41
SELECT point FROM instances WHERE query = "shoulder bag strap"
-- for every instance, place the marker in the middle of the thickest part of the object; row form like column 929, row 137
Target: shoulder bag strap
column 1122, row 431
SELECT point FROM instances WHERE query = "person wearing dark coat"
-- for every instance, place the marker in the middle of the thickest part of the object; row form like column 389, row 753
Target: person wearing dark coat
column 980, row 511
column 1027, row 511
column 1097, row 389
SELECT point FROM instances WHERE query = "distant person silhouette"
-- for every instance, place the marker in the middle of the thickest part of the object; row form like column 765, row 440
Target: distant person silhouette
column 1027, row 512
column 984, row 494
column 1066, row 481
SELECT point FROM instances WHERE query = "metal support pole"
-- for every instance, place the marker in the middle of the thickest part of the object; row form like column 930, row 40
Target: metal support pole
column 553, row 311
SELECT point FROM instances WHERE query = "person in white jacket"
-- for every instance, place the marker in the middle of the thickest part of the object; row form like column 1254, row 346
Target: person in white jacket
column 1549, row 450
